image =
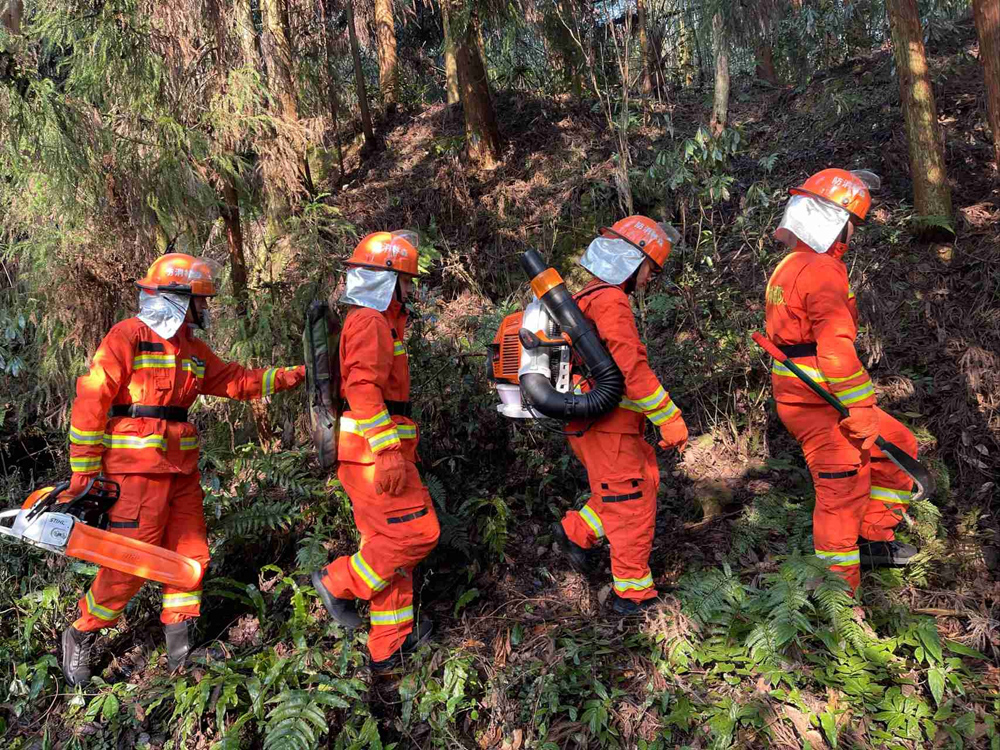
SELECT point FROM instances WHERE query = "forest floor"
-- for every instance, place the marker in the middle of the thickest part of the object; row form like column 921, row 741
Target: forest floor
column 752, row 645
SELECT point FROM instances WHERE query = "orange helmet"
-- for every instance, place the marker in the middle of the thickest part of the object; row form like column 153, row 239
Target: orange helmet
column 386, row 251
column 653, row 239
column 847, row 190
column 181, row 274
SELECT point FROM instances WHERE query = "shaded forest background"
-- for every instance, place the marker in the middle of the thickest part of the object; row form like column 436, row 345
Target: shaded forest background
column 271, row 134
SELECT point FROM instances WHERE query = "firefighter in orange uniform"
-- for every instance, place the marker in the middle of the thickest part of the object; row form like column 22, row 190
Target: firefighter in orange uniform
column 812, row 316
column 130, row 423
column 377, row 452
column 621, row 466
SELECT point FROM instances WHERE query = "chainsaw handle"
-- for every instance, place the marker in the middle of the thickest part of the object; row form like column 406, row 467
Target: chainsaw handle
column 46, row 502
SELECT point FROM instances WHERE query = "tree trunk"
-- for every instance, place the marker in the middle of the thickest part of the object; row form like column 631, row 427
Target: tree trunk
column 230, row 211
column 931, row 193
column 11, row 18
column 684, row 56
column 987, row 14
column 359, row 78
column 481, row 130
column 450, row 63
column 647, row 74
column 720, row 107
column 331, row 82
column 385, row 34
column 278, row 54
column 765, row 64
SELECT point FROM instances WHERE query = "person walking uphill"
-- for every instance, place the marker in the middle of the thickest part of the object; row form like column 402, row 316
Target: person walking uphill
column 129, row 422
column 378, row 453
column 621, row 466
column 812, row 316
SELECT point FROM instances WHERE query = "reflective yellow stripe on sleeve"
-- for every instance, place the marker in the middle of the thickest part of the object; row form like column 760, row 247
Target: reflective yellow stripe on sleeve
column 857, row 393
column 85, row 464
column 384, row 440
column 267, row 383
column 86, row 437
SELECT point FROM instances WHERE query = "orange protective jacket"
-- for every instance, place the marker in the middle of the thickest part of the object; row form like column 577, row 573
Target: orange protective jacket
column 608, row 308
column 375, row 386
column 134, row 365
column 810, row 304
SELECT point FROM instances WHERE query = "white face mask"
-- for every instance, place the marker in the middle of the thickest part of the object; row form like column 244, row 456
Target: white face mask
column 369, row 287
column 815, row 222
column 611, row 259
column 164, row 312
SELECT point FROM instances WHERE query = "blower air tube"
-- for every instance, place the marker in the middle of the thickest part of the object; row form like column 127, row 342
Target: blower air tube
column 608, row 381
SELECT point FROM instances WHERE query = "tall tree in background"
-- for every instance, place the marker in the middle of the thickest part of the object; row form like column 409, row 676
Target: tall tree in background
column 229, row 207
column 11, row 17
column 647, row 73
column 987, row 15
column 931, row 193
column 325, row 17
column 720, row 46
column 359, row 77
column 450, row 62
column 277, row 46
column 385, row 36
column 481, row 130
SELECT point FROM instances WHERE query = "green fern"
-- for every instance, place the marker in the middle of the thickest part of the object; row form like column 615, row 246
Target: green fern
column 437, row 490
column 297, row 721
column 711, row 594
column 258, row 518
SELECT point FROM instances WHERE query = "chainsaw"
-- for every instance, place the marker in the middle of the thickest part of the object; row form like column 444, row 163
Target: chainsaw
column 77, row 527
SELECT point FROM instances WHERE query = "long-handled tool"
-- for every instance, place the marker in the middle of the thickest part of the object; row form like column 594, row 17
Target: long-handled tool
column 906, row 463
column 76, row 528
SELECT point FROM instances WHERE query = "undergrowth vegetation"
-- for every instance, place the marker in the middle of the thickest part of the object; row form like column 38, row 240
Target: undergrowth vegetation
column 755, row 644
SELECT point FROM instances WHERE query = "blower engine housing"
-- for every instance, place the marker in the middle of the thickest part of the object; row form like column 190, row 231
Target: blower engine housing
column 540, row 350
column 533, row 353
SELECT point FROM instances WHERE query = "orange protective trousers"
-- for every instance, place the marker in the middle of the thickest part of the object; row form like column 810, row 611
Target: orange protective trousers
column 624, row 477
column 396, row 534
column 161, row 509
column 858, row 493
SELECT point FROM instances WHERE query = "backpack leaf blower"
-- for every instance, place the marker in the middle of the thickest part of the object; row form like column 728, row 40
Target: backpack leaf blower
column 321, row 345
column 531, row 356
column 77, row 528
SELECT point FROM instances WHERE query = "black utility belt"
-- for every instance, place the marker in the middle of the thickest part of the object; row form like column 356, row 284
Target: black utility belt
column 793, row 351
column 169, row 413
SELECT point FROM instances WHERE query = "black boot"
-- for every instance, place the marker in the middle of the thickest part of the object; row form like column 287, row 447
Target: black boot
column 342, row 611
column 420, row 633
column 178, row 646
column 76, row 646
column 630, row 607
column 575, row 554
column 886, row 554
